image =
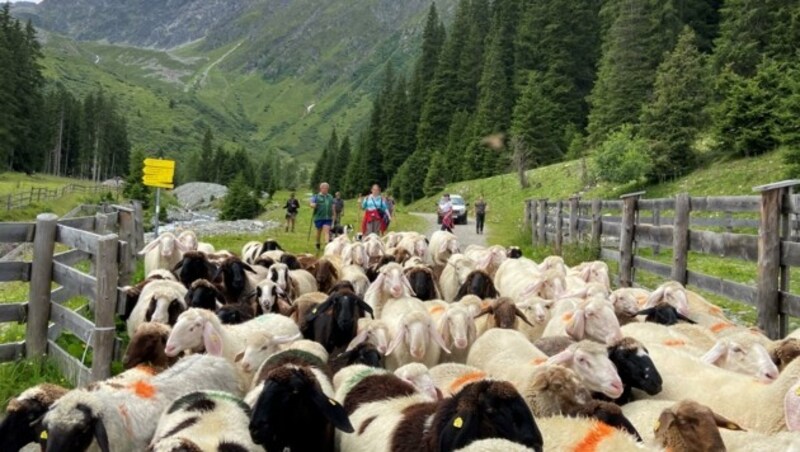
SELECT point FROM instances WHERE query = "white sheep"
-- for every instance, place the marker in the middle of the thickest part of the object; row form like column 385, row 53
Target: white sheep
column 509, row 355
column 487, row 259
column 127, row 417
column 356, row 276
column 555, row 263
column 337, row 245
column 355, row 254
column 537, row 311
column 293, row 282
column 449, row 378
column 374, row 331
column 414, row 334
column 374, row 246
column 520, row 279
column 391, row 283
column 495, row 445
column 412, row 262
column 415, row 243
column 163, row 252
column 592, row 319
column 591, row 272
column 454, row 274
column 755, row 405
column 161, row 273
column 442, row 245
column 199, row 329
column 561, row 433
column 456, row 323
column 204, row 420
column 160, row 301
column 259, row 346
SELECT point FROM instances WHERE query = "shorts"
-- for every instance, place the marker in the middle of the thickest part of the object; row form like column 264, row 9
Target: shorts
column 319, row 224
column 291, row 216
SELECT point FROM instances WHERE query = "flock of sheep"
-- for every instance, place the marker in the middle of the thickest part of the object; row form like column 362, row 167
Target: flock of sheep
column 405, row 343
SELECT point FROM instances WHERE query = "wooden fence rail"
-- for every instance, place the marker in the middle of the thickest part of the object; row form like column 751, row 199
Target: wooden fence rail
column 25, row 198
column 620, row 228
column 109, row 239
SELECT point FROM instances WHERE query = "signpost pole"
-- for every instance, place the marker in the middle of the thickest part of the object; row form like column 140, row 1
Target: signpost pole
column 158, row 209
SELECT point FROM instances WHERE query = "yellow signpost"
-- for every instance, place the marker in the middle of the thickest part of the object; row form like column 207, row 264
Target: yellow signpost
column 158, row 173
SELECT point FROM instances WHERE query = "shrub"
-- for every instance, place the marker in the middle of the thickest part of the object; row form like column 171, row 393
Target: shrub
column 622, row 157
column 240, row 202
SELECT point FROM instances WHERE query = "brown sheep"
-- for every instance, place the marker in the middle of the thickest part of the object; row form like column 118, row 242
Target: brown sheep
column 147, row 347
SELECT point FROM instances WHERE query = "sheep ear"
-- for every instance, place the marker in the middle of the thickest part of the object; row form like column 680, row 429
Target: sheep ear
column 238, row 357
column 358, row 340
column 278, row 340
column 248, row 268
column 664, row 422
column 332, row 410
column 317, row 310
column 685, row 319
column 721, row 421
column 654, row 298
column 522, row 316
column 576, row 328
column 437, row 337
column 445, row 327
column 211, row 340
column 100, row 435
column 367, row 308
column 561, row 358
column 396, row 341
column 458, row 432
column 407, row 284
column 150, row 246
column 178, row 265
column 532, row 288
column 484, row 311
column 716, row 353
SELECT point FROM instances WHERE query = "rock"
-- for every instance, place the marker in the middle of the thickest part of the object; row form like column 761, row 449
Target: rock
column 196, row 195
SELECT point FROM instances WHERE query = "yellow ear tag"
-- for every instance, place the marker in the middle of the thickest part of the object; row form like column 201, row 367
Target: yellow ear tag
column 43, row 435
column 314, row 311
column 732, row 426
column 657, row 425
column 458, row 422
column 332, row 402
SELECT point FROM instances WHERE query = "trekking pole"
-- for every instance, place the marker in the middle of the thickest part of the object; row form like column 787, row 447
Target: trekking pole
column 308, row 237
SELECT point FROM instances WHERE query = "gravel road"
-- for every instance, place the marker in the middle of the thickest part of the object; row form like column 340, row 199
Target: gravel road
column 466, row 233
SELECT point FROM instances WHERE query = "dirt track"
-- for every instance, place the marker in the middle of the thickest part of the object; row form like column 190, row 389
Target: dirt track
column 466, row 233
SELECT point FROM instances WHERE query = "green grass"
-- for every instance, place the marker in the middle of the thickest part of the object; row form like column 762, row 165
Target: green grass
column 17, row 376
column 562, row 180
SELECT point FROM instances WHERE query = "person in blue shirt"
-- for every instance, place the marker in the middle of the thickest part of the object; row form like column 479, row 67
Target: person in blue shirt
column 374, row 208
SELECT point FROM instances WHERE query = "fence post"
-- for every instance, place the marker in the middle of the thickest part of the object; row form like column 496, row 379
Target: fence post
column 138, row 230
column 597, row 222
column 44, row 242
column 680, row 238
column 559, row 227
column 656, row 223
column 626, row 238
column 126, row 234
column 543, row 221
column 105, row 307
column 100, row 227
column 534, row 223
column 773, row 200
column 573, row 219
column 527, row 220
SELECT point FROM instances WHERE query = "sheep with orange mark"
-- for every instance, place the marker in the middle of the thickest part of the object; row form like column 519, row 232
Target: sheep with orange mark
column 579, row 434
column 590, row 319
column 454, row 274
column 509, row 355
column 449, row 378
column 413, row 332
column 753, row 404
column 390, row 284
column 456, row 324
column 126, row 417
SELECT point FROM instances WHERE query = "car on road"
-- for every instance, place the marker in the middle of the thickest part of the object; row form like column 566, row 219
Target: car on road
column 459, row 209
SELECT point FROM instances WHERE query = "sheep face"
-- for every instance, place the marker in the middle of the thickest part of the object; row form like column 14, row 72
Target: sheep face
column 536, row 309
column 514, row 252
column 164, row 309
column 555, row 263
column 625, row 303
column 486, row 409
column 463, row 267
column 596, row 272
column 267, row 294
column 203, row 295
column 634, row 366
column 458, row 327
column 259, row 347
column 392, row 281
column 416, row 330
column 188, row 333
column 195, row 266
column 168, row 244
column 550, row 286
column 556, row 390
column 593, row 367
column 376, row 332
column 596, row 320
column 233, row 275
column 333, row 323
column 356, row 254
column 290, row 403
column 279, row 274
column 747, row 358
column 23, row 422
column 234, row 314
column 147, row 346
column 422, row 282
column 189, row 240
column 691, row 426
column 785, row 352
column 671, row 293
column 71, row 425
column 417, row 375
column 373, row 247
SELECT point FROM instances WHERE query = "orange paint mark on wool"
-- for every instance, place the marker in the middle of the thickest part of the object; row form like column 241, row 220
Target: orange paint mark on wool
column 674, row 342
column 485, row 304
column 567, row 316
column 641, row 300
column 466, row 378
column 146, row 369
column 538, row 361
column 598, row 433
column 717, row 327
column 435, row 309
column 143, row 389
column 715, row 309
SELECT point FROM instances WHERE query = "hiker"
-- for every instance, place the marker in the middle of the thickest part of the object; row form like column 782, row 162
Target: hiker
column 374, row 210
column 322, row 203
column 480, row 214
column 292, row 206
column 338, row 209
column 446, row 211
column 388, row 216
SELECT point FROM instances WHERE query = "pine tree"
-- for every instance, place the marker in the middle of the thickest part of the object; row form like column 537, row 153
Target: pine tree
column 406, row 185
column 207, row 173
column 433, row 37
column 342, row 163
column 672, row 120
column 632, row 49
column 536, row 124
column 330, row 165
column 458, row 138
column 240, row 202
column 396, row 129
column 320, row 168
column 356, row 181
column 134, row 187
column 436, row 179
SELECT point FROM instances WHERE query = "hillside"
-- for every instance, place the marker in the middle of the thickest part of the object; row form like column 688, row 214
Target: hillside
column 266, row 74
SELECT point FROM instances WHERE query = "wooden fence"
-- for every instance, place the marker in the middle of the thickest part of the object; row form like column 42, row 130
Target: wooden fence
column 109, row 240
column 25, row 198
column 621, row 227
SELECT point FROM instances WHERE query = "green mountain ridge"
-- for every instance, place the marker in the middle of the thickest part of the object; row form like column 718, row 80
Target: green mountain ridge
column 267, row 75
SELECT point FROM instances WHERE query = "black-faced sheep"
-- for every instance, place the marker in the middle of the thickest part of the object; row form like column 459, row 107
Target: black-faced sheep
column 23, row 422
column 334, row 323
column 238, row 281
column 478, row 283
column 291, row 261
column 234, row 314
column 194, row 265
column 205, row 295
column 160, row 301
column 363, row 353
column 132, row 292
column 423, row 283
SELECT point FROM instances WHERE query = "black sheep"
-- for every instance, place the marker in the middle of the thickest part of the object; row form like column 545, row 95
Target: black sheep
column 363, row 353
column 422, row 283
column 664, row 314
column 334, row 323
column 478, row 283
column 635, row 369
column 235, row 283
column 202, row 294
column 291, row 261
column 194, row 265
column 234, row 314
